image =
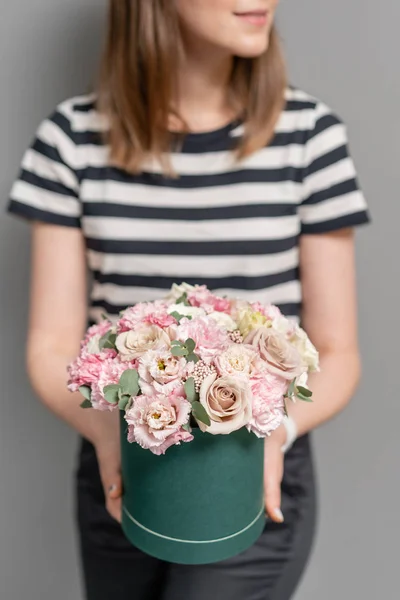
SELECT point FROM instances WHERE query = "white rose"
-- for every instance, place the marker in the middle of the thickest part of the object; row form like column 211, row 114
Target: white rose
column 178, row 290
column 223, row 320
column 187, row 311
column 306, row 348
column 284, row 325
column 236, row 360
column 133, row 344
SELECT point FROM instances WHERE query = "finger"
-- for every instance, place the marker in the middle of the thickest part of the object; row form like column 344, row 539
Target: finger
column 115, row 489
column 272, row 486
column 114, row 507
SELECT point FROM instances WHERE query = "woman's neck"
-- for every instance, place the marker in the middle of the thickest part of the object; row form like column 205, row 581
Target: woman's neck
column 203, row 81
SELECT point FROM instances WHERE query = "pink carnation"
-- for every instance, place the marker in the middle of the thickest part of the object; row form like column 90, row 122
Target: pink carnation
column 156, row 422
column 98, row 330
column 209, row 337
column 202, row 297
column 110, row 373
column 154, row 313
column 85, row 370
column 268, row 403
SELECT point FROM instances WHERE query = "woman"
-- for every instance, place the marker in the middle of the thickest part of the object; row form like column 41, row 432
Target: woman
column 193, row 161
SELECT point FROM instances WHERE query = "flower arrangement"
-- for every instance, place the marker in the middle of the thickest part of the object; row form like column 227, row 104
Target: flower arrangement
column 191, row 360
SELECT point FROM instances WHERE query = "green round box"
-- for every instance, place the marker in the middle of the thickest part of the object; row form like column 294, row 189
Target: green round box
column 201, row 502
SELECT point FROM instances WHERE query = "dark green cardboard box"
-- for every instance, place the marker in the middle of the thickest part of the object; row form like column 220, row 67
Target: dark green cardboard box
column 201, row 502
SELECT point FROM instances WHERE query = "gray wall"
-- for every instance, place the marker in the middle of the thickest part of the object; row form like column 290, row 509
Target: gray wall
column 345, row 52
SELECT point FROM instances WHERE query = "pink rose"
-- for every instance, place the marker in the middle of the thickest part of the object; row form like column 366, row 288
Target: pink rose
column 202, row 297
column 227, row 401
column 268, row 404
column 209, row 337
column 155, row 423
column 110, row 373
column 86, row 368
column 282, row 357
column 268, row 310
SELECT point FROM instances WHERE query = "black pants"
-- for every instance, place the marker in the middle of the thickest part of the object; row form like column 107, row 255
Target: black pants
column 270, row 570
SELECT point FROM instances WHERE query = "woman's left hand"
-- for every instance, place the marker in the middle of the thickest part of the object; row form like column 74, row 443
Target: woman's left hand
column 273, row 473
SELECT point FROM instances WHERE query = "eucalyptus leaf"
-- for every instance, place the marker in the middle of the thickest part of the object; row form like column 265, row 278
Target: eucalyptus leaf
column 86, row 392
column 104, row 317
column 187, row 427
column 108, row 341
column 190, row 390
column 176, row 343
column 111, row 393
column 123, row 402
column 190, row 345
column 183, row 300
column 304, row 391
column 129, row 382
column 177, row 316
column 178, row 351
column 192, row 358
column 200, row 414
column 292, row 388
column 304, row 398
column 86, row 404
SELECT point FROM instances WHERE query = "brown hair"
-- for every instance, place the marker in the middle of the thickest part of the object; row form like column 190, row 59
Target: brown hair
column 137, row 84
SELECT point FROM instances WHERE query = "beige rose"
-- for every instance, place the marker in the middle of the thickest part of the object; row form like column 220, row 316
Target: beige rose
column 133, row 344
column 227, row 401
column 282, row 357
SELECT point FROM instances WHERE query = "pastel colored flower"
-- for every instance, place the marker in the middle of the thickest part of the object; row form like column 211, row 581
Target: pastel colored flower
column 133, row 344
column 86, row 368
column 94, row 335
column 110, row 373
column 155, row 423
column 201, row 296
column 306, row 348
column 227, row 401
column 285, row 326
column 160, row 372
column 187, row 311
column 282, row 357
column 268, row 404
column 251, row 320
column 177, row 291
column 210, row 339
column 268, row 310
column 145, row 312
column 237, row 360
column 223, row 320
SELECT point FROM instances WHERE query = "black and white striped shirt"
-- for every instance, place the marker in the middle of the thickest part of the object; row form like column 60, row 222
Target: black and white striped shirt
column 234, row 227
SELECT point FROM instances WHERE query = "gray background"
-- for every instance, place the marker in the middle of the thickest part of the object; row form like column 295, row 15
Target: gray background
column 344, row 52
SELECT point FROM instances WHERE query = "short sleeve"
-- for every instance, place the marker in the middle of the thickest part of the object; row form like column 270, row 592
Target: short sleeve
column 47, row 188
column 331, row 197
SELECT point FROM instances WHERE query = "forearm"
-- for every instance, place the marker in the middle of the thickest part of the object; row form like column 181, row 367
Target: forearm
column 48, row 375
column 333, row 387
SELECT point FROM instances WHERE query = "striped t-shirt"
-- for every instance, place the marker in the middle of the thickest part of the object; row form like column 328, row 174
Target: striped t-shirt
column 232, row 226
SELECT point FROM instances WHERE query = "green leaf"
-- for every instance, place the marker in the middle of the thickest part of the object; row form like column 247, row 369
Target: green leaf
column 129, row 382
column 177, row 343
column 304, row 391
column 86, row 391
column 123, row 402
column 183, row 300
column 190, row 345
column 187, row 427
column 200, row 414
column 192, row 358
column 111, row 393
column 285, row 410
column 304, row 398
column 108, row 341
column 177, row 316
column 190, row 390
column 178, row 351
column 292, row 388
column 104, row 317
column 86, row 404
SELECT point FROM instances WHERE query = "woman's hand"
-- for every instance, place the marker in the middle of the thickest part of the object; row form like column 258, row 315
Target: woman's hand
column 109, row 458
column 273, row 473
column 106, row 440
